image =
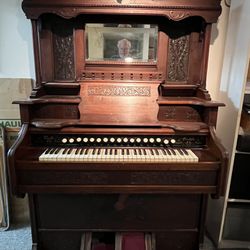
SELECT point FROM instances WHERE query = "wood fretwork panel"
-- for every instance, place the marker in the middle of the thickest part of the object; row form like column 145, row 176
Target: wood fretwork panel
column 178, row 55
column 63, row 45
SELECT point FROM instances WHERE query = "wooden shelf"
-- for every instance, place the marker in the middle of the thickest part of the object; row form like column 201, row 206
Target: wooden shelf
column 188, row 101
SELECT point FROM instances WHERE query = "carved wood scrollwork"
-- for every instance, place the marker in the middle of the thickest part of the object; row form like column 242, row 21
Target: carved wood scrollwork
column 64, row 57
column 178, row 15
column 170, row 113
column 119, row 91
column 178, row 59
column 192, row 115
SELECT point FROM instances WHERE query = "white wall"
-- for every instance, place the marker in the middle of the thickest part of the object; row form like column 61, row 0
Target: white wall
column 16, row 53
column 230, row 92
column 216, row 52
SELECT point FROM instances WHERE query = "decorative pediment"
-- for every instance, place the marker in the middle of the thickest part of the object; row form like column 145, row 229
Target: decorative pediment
column 174, row 10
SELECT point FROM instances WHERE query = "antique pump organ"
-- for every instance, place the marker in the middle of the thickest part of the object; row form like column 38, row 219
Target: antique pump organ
column 118, row 136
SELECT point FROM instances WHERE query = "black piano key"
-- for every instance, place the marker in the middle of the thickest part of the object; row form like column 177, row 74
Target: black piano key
column 52, row 151
column 77, row 151
column 70, row 151
column 156, row 152
column 47, row 151
column 57, row 151
column 172, row 151
column 168, row 151
column 164, row 151
column 185, row 151
column 180, row 152
column 65, row 151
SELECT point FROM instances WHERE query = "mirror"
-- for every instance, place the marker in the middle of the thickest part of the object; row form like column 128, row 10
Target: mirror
column 121, row 42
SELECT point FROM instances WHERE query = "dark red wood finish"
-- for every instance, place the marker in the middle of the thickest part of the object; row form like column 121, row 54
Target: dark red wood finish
column 74, row 96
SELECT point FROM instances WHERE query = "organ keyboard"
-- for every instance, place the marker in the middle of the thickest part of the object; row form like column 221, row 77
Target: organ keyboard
column 119, row 139
column 118, row 154
column 120, row 148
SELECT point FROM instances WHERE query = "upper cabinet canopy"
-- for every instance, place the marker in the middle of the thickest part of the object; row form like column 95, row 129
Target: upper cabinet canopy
column 125, row 40
column 172, row 9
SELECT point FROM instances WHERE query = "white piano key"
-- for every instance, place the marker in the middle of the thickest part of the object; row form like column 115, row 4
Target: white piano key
column 162, row 156
column 99, row 154
column 120, row 156
column 43, row 155
column 181, row 156
column 147, row 155
column 187, row 155
column 54, row 155
column 175, row 156
column 194, row 157
column 89, row 154
column 49, row 156
column 157, row 155
column 77, row 154
column 59, row 154
column 170, row 157
column 72, row 155
column 131, row 155
column 82, row 156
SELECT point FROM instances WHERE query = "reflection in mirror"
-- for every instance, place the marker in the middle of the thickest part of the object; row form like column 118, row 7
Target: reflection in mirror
column 121, row 42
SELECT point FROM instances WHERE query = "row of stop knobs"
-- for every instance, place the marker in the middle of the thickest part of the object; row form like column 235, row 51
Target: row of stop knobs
column 118, row 140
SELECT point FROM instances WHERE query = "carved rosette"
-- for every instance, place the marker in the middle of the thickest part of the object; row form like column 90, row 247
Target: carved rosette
column 64, row 57
column 119, row 91
column 178, row 59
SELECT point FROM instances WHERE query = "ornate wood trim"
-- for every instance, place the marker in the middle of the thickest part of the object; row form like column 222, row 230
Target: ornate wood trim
column 126, row 76
column 64, row 57
column 12, row 154
column 178, row 57
column 118, row 90
column 209, row 10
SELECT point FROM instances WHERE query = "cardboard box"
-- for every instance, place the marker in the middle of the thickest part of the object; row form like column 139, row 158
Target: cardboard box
column 11, row 90
column 4, row 202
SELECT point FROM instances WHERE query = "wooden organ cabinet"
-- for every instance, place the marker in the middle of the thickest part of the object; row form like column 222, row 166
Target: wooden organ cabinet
column 117, row 148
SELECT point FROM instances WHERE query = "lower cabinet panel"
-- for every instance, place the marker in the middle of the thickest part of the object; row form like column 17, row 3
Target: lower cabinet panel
column 171, row 221
column 112, row 212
